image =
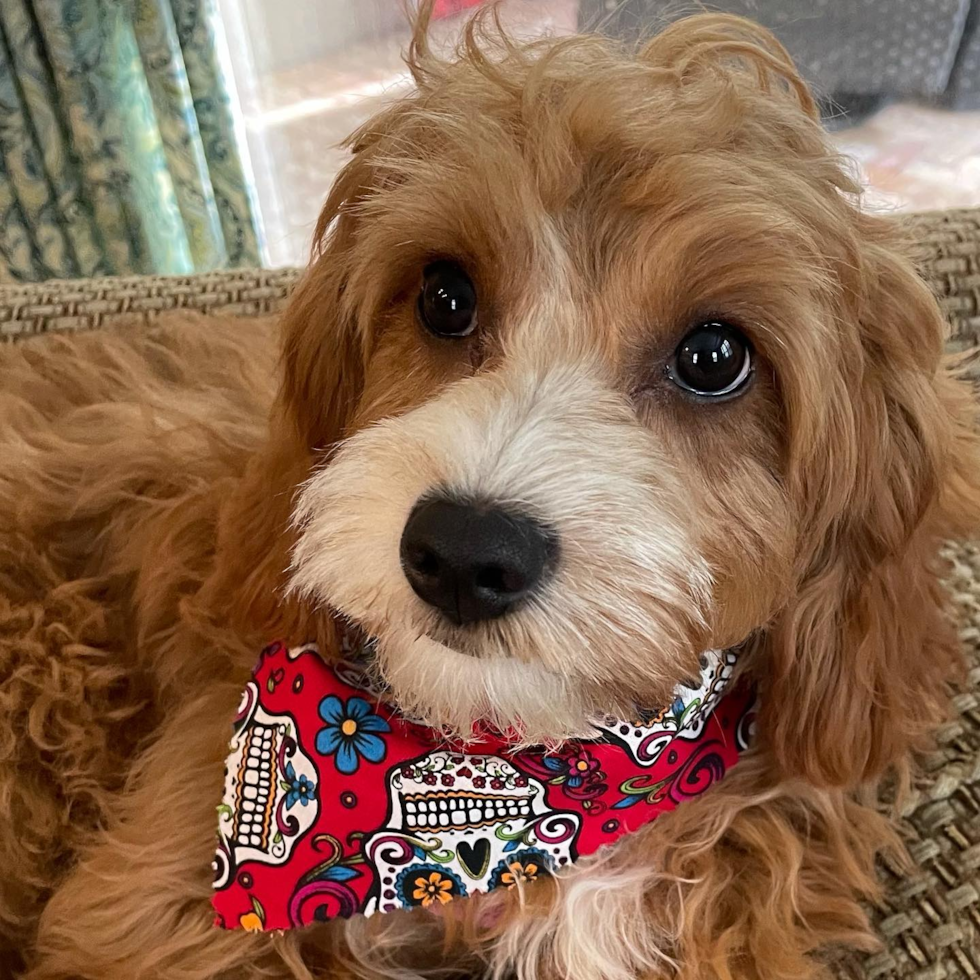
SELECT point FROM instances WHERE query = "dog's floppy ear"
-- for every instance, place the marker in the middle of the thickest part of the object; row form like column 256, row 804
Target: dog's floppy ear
column 322, row 352
column 859, row 666
column 321, row 376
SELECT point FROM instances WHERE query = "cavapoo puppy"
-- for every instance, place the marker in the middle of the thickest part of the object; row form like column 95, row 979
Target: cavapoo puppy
column 625, row 302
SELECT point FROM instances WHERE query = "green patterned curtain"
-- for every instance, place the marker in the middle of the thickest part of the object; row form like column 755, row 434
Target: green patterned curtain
column 117, row 152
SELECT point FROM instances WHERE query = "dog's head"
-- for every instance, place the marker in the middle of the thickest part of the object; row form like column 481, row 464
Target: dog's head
column 601, row 366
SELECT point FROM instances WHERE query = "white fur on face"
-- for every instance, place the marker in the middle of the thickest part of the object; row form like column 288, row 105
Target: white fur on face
column 615, row 620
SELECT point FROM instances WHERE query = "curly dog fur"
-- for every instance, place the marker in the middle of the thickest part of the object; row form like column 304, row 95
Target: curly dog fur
column 602, row 197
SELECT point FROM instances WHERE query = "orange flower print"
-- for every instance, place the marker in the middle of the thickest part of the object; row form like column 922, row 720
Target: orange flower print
column 521, row 868
column 519, row 872
column 250, row 922
column 428, row 885
column 435, row 888
column 253, row 921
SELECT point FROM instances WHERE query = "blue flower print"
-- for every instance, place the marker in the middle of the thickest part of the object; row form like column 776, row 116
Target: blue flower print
column 352, row 731
column 299, row 789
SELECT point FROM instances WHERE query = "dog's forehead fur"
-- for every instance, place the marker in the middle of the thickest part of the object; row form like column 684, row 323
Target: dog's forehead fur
column 604, row 200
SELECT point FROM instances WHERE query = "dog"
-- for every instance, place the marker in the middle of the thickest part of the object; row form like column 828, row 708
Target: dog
column 618, row 317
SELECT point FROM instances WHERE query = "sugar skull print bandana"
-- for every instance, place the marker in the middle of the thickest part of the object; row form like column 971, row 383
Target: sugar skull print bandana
column 335, row 804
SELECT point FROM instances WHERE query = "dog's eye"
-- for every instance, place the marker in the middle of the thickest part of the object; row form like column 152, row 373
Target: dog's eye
column 714, row 359
column 447, row 302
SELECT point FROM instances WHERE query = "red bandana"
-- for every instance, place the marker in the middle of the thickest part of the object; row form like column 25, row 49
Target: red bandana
column 335, row 804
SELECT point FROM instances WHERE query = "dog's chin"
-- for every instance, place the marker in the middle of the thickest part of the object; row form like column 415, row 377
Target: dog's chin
column 451, row 690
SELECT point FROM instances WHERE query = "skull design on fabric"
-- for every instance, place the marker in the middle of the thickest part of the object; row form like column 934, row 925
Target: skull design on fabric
column 270, row 796
column 464, row 823
column 646, row 736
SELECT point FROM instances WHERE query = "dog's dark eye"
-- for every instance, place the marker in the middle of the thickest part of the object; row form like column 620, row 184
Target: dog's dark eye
column 713, row 359
column 447, row 302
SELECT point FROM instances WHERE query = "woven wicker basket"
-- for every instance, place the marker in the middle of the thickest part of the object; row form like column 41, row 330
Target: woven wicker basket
column 929, row 920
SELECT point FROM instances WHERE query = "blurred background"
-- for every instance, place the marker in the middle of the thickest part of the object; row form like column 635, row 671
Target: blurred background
column 180, row 136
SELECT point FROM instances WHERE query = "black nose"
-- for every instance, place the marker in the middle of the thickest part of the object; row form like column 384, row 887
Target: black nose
column 473, row 562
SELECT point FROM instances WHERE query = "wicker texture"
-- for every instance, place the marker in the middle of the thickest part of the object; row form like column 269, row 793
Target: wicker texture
column 929, row 919
column 948, row 253
column 87, row 303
